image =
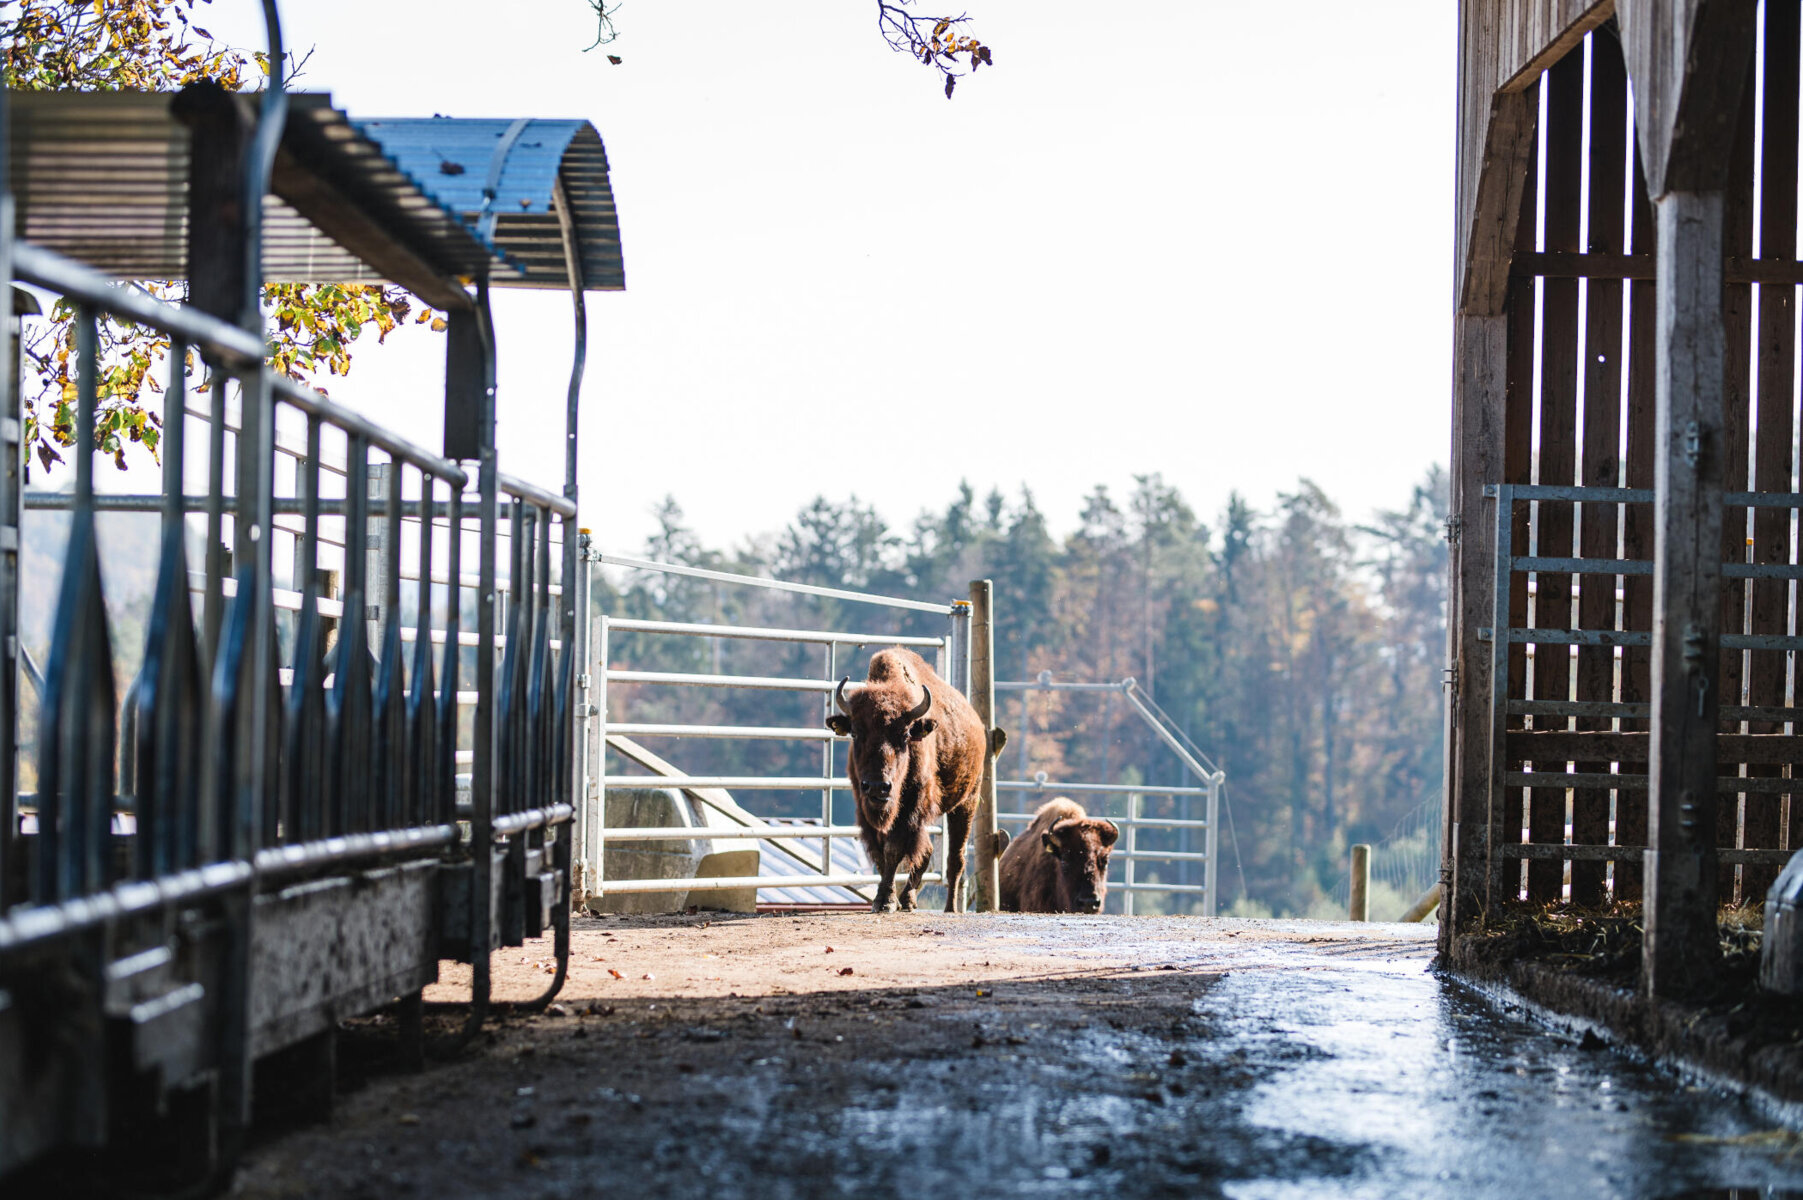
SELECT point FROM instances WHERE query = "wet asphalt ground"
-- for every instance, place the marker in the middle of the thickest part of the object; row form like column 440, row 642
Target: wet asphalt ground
column 1025, row 1056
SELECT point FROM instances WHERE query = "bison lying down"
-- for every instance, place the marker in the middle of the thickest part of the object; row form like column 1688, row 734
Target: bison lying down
column 1060, row 864
column 916, row 753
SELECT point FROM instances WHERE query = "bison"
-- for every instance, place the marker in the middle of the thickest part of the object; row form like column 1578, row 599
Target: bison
column 916, row 755
column 1060, row 864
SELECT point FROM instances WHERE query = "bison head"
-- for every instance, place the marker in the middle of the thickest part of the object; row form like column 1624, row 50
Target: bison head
column 885, row 723
column 1079, row 848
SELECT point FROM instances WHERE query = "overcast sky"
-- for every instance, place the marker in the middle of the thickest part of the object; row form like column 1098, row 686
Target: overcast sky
column 1198, row 237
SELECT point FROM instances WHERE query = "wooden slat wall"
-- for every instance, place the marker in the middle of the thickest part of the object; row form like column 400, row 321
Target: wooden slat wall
column 1601, row 459
column 1518, row 467
column 1614, row 443
column 1737, row 415
column 1637, row 522
column 1775, row 409
column 1557, row 442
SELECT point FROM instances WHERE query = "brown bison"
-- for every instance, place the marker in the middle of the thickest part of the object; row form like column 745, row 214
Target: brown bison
column 1060, row 864
column 916, row 754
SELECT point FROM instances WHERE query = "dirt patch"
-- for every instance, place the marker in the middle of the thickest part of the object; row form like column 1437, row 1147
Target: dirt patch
column 714, row 1055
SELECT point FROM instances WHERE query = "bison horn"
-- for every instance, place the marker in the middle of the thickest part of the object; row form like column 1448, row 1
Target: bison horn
column 839, row 696
column 926, row 704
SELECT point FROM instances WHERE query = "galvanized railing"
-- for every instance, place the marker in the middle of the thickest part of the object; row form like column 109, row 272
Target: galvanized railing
column 271, row 781
column 1129, row 852
column 951, row 649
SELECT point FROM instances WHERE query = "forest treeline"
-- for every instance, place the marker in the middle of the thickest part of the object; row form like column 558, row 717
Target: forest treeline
column 1300, row 650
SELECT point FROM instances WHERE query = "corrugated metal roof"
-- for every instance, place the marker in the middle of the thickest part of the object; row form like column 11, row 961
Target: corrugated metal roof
column 102, row 178
column 453, row 160
column 848, row 859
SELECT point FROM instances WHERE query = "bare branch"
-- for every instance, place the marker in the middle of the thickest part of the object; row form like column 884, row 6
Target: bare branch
column 933, row 41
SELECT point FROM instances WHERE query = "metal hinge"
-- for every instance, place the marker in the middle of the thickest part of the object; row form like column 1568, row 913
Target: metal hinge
column 1449, row 677
column 1485, row 633
column 582, row 680
column 1455, row 525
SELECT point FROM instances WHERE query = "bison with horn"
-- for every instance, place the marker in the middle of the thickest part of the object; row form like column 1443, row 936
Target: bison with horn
column 916, row 754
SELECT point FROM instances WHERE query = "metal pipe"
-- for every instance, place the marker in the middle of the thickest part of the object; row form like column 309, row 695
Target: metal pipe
column 764, row 683
column 1148, row 822
column 755, row 633
column 804, row 589
column 713, row 833
column 753, row 732
column 1116, row 789
column 748, row 783
column 627, row 887
column 981, row 668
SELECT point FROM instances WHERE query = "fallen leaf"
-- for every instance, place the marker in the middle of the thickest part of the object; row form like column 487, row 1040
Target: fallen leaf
column 649, row 975
column 829, row 949
column 615, row 973
column 845, row 970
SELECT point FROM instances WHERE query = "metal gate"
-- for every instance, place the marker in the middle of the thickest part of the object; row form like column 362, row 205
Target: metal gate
column 605, row 736
column 1132, row 850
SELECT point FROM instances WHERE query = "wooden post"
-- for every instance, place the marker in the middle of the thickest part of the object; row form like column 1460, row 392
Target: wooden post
column 984, row 827
column 1361, row 883
column 1680, row 943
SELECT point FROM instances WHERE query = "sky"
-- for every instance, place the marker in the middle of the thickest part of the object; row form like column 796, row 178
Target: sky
column 1206, row 239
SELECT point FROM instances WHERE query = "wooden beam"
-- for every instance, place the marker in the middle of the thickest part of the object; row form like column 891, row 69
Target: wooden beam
column 1680, row 944
column 1689, row 60
column 1480, row 397
column 1503, row 47
column 1557, row 745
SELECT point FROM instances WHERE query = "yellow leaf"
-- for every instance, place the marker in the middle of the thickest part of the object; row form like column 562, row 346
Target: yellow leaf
column 438, row 325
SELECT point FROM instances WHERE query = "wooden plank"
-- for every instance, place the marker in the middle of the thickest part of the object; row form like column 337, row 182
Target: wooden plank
column 1557, row 449
column 1775, row 407
column 1637, row 519
column 1565, row 264
column 1479, row 404
column 1600, row 464
column 1504, row 45
column 1556, row 746
column 1679, row 947
column 1737, row 415
column 1506, row 812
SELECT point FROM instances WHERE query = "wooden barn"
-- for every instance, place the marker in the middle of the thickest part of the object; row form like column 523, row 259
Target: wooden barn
column 1624, row 623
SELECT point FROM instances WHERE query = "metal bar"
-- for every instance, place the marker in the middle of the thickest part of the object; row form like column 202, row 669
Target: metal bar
column 238, row 349
column 306, row 856
column 1726, row 785
column 626, row 887
column 536, row 496
column 1113, row 789
column 1628, row 566
column 513, row 823
column 355, row 424
column 710, row 833
column 281, row 506
column 1211, row 881
column 798, row 733
column 641, row 564
column 755, row 633
column 1147, row 822
column 32, row 924
column 599, row 671
column 763, row 683
column 1049, row 686
column 769, row 783
column 980, row 638
column 1545, row 850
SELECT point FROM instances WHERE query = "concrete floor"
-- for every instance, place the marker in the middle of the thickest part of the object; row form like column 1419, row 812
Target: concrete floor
column 925, row 1055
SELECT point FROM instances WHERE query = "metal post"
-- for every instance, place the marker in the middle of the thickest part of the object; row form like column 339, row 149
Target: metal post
column 583, row 584
column 375, row 554
column 599, row 860
column 958, row 647
column 1210, row 843
column 826, row 762
column 981, row 659
column 1132, row 852
column 1361, row 883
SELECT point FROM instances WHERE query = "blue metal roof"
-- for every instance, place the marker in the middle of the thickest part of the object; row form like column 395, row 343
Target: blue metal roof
column 501, row 177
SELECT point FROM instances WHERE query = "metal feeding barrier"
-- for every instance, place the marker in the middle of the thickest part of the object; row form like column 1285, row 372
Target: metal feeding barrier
column 951, row 651
column 1131, row 851
column 310, row 796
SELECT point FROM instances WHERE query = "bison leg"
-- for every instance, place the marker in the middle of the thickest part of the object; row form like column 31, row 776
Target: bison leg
column 911, row 890
column 957, row 833
column 885, row 889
